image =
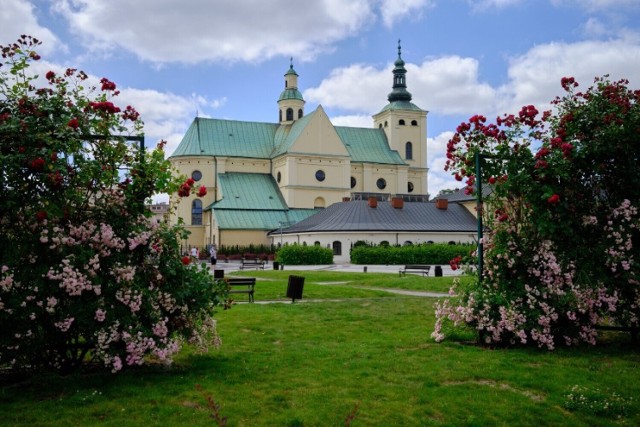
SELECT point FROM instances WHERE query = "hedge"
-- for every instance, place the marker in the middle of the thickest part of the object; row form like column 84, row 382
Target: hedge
column 428, row 253
column 304, row 255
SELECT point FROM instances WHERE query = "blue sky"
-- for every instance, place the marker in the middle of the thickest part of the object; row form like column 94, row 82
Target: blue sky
column 226, row 59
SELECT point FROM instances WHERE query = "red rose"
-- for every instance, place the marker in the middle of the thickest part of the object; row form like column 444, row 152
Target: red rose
column 186, row 260
column 37, row 164
column 73, row 123
column 50, row 75
column 492, row 180
column 202, row 191
column 41, row 215
column 190, row 182
column 554, row 200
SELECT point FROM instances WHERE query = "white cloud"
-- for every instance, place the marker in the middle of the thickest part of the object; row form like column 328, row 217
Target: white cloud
column 599, row 5
column 396, row 10
column 17, row 17
column 483, row 5
column 534, row 78
column 242, row 30
column 436, row 159
column 449, row 85
column 356, row 121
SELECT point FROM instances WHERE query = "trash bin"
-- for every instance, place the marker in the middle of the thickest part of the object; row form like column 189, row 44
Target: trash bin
column 218, row 274
column 276, row 265
column 295, row 287
column 438, row 271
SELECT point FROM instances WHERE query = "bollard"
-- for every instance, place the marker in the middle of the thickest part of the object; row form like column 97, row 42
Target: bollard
column 365, row 269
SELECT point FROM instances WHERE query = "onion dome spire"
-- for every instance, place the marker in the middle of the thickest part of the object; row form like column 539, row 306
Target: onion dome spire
column 399, row 92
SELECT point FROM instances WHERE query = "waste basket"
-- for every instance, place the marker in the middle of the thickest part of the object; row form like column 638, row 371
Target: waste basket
column 295, row 287
column 438, row 271
column 218, row 274
column 276, row 265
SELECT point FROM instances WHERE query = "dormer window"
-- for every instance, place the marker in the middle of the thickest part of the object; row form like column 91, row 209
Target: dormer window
column 414, row 123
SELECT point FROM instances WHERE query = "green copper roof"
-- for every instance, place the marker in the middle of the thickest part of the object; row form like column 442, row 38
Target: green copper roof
column 290, row 93
column 287, row 134
column 401, row 105
column 368, row 145
column 215, row 137
column 232, row 219
column 251, row 191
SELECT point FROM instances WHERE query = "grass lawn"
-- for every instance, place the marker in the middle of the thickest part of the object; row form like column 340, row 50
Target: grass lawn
column 367, row 357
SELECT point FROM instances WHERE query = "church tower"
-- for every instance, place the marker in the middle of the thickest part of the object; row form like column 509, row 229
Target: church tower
column 405, row 126
column 290, row 103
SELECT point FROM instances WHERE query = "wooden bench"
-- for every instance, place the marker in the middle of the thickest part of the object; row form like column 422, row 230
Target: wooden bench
column 424, row 269
column 241, row 285
column 251, row 263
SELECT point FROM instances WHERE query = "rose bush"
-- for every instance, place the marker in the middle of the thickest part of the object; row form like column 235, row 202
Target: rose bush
column 562, row 241
column 84, row 274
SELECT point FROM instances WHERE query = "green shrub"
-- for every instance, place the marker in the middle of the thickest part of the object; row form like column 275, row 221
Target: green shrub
column 431, row 253
column 304, row 255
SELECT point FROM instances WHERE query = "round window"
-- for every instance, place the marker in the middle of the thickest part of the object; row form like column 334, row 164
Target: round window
column 381, row 183
column 410, row 187
column 196, row 175
column 279, row 177
column 320, row 175
column 353, row 182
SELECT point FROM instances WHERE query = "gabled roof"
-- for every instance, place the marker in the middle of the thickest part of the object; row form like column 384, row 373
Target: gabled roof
column 232, row 138
column 249, row 191
column 368, row 145
column 355, row 216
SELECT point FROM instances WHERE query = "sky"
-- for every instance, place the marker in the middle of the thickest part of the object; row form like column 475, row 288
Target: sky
column 175, row 60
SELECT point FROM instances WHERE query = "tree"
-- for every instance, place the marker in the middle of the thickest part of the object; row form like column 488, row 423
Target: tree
column 562, row 247
column 84, row 274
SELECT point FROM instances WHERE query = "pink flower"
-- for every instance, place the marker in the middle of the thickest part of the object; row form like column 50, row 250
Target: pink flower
column 100, row 315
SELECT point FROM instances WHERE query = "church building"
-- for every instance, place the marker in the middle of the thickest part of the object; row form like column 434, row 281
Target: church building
column 262, row 177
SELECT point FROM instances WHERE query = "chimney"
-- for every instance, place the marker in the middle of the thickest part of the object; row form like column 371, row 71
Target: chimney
column 397, row 202
column 373, row 202
column 442, row 204
column 346, row 199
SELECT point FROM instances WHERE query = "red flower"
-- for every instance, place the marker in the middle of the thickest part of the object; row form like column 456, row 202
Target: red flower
column 503, row 217
column 107, row 85
column 54, row 156
column 37, row 164
column 41, row 215
column 190, row 182
column 73, row 123
column 50, row 75
column 553, row 200
column 186, row 260
column 492, row 180
column 202, row 191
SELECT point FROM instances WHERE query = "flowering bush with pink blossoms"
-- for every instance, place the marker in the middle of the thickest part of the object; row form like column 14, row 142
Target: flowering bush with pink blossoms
column 562, row 239
column 85, row 276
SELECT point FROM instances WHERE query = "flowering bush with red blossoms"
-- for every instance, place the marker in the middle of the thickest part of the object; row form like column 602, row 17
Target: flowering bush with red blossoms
column 562, row 238
column 85, row 276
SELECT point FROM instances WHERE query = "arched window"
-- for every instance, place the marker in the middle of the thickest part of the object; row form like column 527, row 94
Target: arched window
column 300, row 113
column 316, row 243
column 401, row 122
column 337, row 247
column 414, row 123
column 196, row 212
column 386, row 124
column 408, row 151
column 380, row 126
column 353, row 182
column 407, row 243
column 410, row 187
column 280, row 115
column 318, row 203
column 278, row 177
column 289, row 114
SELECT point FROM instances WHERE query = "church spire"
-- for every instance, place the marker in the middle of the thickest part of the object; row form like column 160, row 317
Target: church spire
column 399, row 92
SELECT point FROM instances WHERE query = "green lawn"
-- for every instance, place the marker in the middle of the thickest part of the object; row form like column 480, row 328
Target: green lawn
column 368, row 355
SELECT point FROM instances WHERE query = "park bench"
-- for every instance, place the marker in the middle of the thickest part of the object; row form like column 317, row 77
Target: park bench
column 251, row 263
column 424, row 269
column 241, row 285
